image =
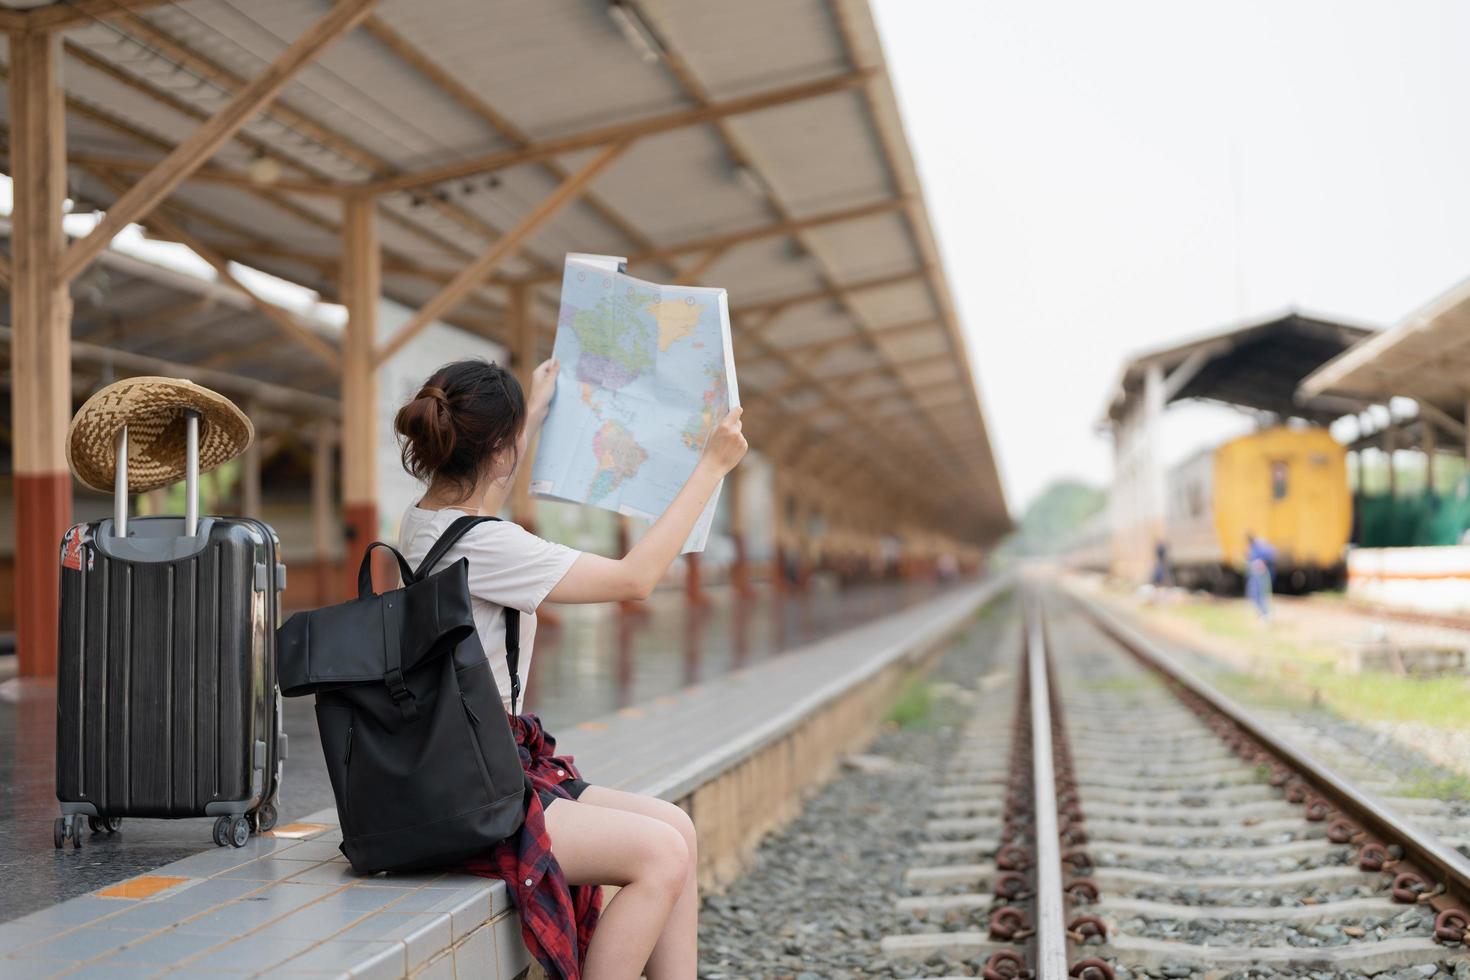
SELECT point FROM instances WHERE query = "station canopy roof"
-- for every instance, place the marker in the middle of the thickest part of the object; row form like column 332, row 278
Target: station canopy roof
column 755, row 146
column 1425, row 357
column 1257, row 365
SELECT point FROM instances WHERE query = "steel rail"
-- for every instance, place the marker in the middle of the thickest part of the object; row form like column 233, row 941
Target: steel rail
column 1050, row 943
column 1421, row 848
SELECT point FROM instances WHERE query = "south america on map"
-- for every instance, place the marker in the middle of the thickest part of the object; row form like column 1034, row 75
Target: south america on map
column 647, row 372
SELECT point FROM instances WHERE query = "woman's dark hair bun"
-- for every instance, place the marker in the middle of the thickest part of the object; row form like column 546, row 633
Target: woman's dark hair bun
column 465, row 415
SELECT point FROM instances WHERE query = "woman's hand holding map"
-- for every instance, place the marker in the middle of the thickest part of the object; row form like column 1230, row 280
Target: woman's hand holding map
column 726, row 446
column 543, row 386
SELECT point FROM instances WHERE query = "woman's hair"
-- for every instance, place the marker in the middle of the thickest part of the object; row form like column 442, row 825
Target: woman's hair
column 466, row 414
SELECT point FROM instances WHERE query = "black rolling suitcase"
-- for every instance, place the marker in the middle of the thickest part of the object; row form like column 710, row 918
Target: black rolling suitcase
column 167, row 704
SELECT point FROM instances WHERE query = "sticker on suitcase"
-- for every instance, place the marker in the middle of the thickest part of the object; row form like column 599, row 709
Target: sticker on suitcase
column 71, row 548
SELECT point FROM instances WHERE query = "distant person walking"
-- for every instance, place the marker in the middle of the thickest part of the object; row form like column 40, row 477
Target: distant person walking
column 1260, row 559
column 1161, row 564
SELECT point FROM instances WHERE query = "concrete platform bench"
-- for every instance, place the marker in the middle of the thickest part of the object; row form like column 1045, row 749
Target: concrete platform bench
column 738, row 753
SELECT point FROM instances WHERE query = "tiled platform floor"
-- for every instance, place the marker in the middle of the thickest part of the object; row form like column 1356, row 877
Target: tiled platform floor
column 594, row 665
column 288, row 904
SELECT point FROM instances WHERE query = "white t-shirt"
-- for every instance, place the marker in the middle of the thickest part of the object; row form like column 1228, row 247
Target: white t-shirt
column 509, row 567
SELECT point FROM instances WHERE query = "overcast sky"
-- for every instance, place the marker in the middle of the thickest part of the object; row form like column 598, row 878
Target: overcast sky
column 1109, row 177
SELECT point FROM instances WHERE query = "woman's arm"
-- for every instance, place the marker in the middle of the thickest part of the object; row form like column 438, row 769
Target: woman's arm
column 593, row 578
column 538, row 403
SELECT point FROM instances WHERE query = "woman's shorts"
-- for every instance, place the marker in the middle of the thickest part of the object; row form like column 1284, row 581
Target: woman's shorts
column 572, row 785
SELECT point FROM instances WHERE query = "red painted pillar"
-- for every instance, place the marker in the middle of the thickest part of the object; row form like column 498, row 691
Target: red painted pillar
column 42, row 515
column 40, row 347
column 693, row 582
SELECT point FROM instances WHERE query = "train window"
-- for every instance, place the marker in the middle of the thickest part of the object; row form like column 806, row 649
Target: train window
column 1278, row 481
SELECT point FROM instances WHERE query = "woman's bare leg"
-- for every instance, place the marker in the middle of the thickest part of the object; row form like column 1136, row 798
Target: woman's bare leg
column 676, row 954
column 645, row 857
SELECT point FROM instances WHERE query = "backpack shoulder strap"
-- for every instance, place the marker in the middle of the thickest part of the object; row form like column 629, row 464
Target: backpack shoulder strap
column 456, row 530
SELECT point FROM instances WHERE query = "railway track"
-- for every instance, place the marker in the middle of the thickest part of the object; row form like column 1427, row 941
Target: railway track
column 1123, row 819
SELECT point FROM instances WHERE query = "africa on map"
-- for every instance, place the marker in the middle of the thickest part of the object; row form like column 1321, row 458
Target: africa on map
column 646, row 374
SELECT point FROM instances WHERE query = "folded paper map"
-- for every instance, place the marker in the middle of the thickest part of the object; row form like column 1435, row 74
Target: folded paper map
column 646, row 373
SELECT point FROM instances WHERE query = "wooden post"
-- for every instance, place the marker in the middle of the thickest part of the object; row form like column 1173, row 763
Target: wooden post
column 523, row 360
column 40, row 350
column 693, row 581
column 321, row 509
column 250, row 470
column 1467, row 428
column 1430, row 448
column 1390, row 443
column 627, row 607
column 740, row 567
column 361, row 285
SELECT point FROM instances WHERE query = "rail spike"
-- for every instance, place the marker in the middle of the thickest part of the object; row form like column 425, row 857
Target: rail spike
column 1006, row 964
column 1451, row 926
column 1091, row 968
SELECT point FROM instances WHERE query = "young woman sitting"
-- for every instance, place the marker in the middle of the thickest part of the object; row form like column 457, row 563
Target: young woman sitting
column 464, row 435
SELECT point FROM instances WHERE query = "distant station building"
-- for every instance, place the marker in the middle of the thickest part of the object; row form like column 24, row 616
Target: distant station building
column 364, row 190
column 1411, row 537
column 1257, row 366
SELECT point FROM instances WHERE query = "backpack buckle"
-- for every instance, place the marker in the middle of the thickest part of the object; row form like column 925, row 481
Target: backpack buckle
column 401, row 695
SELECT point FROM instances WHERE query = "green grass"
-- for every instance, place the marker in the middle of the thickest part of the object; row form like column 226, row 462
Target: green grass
column 914, row 705
column 1436, row 788
column 1287, row 672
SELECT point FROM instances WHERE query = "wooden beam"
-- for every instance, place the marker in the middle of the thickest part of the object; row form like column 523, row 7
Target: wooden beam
column 776, row 229
column 282, row 318
column 472, row 102
column 230, row 356
column 211, row 174
column 170, row 48
column 144, row 321
column 829, row 293
column 613, row 134
column 473, row 274
column 73, row 13
column 4, row 270
column 192, row 153
column 695, row 271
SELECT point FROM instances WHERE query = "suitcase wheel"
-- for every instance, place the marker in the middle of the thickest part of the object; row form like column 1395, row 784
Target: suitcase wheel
column 65, row 828
column 232, row 831
column 104, row 825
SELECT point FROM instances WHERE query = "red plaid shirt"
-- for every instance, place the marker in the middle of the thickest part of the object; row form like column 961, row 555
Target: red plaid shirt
column 556, row 920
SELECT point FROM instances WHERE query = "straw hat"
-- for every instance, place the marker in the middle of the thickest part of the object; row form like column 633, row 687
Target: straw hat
column 153, row 410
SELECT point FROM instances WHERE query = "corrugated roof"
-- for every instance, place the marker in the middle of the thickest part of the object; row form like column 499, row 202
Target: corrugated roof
column 1425, row 357
column 427, row 84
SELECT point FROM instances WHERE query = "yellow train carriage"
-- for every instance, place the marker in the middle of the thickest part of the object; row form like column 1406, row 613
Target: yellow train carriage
column 1288, row 485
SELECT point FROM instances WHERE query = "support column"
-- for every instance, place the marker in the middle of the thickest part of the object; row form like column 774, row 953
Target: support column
column 250, row 470
column 322, row 524
column 1390, row 443
column 740, row 566
column 523, row 360
column 693, row 581
column 627, row 607
column 40, row 348
column 362, row 270
column 1467, row 429
column 1430, row 448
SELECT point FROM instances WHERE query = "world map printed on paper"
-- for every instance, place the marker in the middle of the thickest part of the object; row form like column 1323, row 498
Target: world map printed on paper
column 647, row 371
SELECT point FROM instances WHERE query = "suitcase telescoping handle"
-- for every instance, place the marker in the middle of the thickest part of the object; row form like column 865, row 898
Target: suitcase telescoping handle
column 191, row 479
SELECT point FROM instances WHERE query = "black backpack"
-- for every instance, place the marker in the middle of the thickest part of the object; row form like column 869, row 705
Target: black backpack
column 418, row 746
